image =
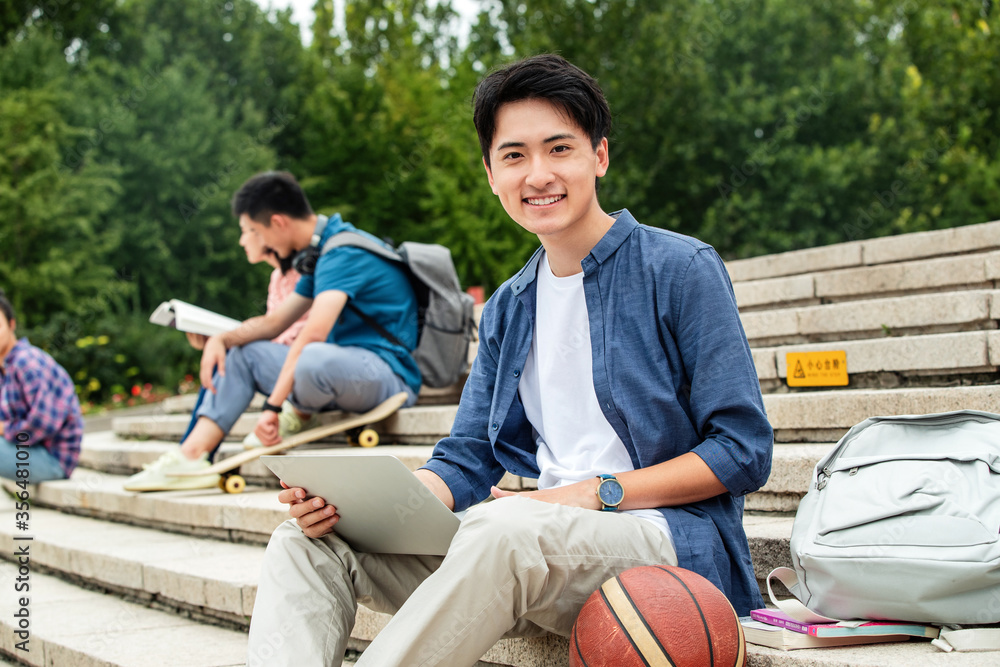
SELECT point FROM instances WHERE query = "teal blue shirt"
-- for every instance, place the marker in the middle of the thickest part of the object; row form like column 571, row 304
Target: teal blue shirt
column 378, row 288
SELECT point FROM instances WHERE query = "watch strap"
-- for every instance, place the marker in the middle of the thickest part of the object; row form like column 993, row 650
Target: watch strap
column 268, row 407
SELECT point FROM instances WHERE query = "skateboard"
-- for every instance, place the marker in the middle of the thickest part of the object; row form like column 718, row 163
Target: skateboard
column 356, row 425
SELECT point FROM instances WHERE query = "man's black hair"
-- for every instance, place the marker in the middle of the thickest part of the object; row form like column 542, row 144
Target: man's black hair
column 546, row 77
column 268, row 193
column 6, row 308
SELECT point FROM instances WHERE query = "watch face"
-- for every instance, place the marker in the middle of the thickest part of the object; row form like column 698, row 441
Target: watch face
column 611, row 492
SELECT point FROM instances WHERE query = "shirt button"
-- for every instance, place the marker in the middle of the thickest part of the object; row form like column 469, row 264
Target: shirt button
column 496, row 426
column 517, row 374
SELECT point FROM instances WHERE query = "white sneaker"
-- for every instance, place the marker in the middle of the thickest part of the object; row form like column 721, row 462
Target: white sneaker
column 156, row 476
column 289, row 423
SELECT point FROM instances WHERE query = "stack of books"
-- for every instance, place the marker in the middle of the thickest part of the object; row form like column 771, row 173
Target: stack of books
column 770, row 627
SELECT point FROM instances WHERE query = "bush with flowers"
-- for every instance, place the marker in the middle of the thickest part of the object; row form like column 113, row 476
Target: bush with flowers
column 118, row 361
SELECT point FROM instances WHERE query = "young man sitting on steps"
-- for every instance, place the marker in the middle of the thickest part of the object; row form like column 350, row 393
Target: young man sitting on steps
column 40, row 422
column 613, row 367
column 337, row 362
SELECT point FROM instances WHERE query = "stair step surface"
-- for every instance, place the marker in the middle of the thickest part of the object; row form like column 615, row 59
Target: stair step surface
column 215, row 577
column 422, row 424
column 974, row 271
column 923, row 313
column 107, row 630
column 74, row 626
column 828, row 413
column 943, row 354
column 104, row 452
column 954, row 241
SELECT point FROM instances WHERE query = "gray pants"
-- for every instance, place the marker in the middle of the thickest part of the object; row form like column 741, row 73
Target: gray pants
column 516, row 567
column 327, row 377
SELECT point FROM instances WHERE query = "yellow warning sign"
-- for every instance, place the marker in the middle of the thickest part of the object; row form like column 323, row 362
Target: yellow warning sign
column 817, row 369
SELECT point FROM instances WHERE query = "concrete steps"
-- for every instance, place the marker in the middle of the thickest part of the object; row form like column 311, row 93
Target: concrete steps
column 74, row 626
column 874, row 318
column 869, row 252
column 917, row 315
column 417, row 425
column 174, row 593
column 251, row 517
column 973, row 271
column 106, row 452
column 804, row 416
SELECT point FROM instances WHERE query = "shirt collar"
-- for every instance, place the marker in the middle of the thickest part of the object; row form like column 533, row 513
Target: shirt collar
column 19, row 345
column 609, row 243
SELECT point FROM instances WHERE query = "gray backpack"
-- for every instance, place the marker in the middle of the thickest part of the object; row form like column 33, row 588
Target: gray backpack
column 444, row 311
column 901, row 522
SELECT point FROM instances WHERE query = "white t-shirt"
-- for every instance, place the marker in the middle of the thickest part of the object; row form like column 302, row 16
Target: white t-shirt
column 575, row 441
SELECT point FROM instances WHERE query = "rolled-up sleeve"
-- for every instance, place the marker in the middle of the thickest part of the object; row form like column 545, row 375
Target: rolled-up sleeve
column 725, row 399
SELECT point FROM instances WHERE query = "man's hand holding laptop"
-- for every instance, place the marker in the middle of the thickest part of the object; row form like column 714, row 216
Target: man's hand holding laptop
column 316, row 518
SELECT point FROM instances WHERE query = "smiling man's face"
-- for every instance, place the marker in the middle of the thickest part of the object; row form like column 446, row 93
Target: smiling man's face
column 544, row 169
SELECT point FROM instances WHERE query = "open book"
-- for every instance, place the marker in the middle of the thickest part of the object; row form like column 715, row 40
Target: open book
column 185, row 317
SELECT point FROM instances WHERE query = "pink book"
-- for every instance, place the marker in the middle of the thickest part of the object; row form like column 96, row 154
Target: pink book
column 844, row 628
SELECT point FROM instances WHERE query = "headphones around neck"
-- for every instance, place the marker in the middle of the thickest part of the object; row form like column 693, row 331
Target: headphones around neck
column 306, row 259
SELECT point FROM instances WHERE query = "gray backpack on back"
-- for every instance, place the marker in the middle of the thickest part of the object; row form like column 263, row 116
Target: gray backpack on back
column 445, row 319
column 902, row 521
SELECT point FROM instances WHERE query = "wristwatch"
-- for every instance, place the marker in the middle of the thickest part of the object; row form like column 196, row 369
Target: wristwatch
column 610, row 493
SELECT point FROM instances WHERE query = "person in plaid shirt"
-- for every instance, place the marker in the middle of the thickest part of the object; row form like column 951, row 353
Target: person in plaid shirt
column 40, row 421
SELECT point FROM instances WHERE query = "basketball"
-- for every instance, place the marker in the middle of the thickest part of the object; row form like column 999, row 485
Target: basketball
column 656, row 616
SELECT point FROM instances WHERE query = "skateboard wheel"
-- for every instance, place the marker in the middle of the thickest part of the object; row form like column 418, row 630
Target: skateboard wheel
column 368, row 438
column 234, row 484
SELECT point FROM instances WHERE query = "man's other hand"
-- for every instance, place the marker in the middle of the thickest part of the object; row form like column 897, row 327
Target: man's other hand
column 581, row 494
column 267, row 428
column 212, row 357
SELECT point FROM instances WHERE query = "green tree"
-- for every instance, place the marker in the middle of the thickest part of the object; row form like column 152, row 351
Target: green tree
column 51, row 249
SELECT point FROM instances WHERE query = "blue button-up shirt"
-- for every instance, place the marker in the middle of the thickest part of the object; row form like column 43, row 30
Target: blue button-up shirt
column 672, row 372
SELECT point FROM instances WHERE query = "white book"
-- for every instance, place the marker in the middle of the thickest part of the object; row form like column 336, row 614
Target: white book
column 185, row 317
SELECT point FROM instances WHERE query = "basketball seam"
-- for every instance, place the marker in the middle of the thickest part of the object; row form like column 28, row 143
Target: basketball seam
column 704, row 621
column 576, row 643
column 610, row 607
column 643, row 620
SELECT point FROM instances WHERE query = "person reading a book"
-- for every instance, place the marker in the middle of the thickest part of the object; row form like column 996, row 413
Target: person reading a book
column 282, row 285
column 337, row 361
column 40, row 422
column 613, row 367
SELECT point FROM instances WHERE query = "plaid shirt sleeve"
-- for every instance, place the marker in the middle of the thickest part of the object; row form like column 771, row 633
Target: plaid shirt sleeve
column 39, row 399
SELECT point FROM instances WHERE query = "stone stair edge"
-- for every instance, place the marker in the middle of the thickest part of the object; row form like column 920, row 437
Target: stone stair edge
column 522, row 653
column 158, row 572
column 820, row 409
column 953, row 353
column 108, row 630
column 139, row 632
column 950, row 273
column 869, row 252
column 872, row 318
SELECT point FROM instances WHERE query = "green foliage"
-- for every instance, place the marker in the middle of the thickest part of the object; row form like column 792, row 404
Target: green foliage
column 50, row 245
column 759, row 127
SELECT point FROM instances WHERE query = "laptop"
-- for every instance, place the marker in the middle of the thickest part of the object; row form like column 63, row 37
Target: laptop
column 383, row 507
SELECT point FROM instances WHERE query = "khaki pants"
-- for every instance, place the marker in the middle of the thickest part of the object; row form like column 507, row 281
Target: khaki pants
column 516, row 567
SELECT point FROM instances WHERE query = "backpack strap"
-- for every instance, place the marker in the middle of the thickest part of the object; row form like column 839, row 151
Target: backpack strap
column 356, row 240
column 972, row 639
column 370, row 321
column 793, row 607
